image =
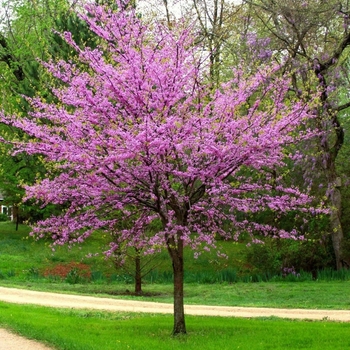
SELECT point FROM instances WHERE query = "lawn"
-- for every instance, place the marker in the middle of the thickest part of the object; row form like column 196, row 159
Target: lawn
column 308, row 295
column 86, row 330
column 23, row 263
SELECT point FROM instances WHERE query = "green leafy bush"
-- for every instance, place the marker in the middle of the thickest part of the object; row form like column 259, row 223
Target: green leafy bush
column 4, row 217
column 275, row 256
column 73, row 276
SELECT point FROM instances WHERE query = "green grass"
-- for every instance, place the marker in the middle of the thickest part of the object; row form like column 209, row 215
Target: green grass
column 86, row 330
column 307, row 295
column 22, row 254
column 26, row 259
column 23, row 260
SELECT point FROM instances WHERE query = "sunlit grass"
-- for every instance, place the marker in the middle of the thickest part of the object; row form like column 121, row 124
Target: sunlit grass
column 87, row 330
column 307, row 295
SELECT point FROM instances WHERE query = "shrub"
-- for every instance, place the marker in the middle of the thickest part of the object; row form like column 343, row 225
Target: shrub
column 73, row 276
column 275, row 256
column 264, row 258
column 71, row 272
column 4, row 217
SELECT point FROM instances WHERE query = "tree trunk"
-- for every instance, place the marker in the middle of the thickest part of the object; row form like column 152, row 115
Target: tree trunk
column 334, row 195
column 15, row 215
column 331, row 148
column 138, row 276
column 175, row 247
column 176, row 254
column 335, row 224
column 179, row 312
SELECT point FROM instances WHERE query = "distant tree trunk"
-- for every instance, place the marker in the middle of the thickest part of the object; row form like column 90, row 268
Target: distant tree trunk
column 15, row 215
column 335, row 199
column 331, row 148
column 138, row 275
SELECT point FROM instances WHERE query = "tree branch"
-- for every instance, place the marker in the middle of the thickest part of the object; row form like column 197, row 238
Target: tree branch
column 342, row 107
column 10, row 59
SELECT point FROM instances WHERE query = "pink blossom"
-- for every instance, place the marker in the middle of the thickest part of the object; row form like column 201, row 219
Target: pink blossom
column 141, row 137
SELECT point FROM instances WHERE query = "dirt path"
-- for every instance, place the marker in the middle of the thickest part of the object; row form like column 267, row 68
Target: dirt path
column 20, row 296
column 11, row 341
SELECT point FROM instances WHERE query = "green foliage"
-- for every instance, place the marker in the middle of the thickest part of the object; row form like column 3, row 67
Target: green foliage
column 32, row 212
column 81, row 34
column 33, row 272
column 11, row 273
column 3, row 217
column 28, row 36
column 264, row 258
column 73, row 276
column 343, row 166
column 310, row 255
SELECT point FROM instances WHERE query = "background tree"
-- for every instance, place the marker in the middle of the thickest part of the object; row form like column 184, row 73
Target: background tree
column 234, row 34
column 135, row 256
column 28, row 35
column 311, row 39
column 215, row 23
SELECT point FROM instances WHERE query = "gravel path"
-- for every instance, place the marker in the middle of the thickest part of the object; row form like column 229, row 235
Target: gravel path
column 10, row 341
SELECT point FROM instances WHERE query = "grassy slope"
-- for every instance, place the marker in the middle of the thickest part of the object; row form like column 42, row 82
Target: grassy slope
column 20, row 253
column 21, row 257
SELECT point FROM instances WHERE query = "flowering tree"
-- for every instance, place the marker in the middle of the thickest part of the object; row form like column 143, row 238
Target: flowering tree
column 136, row 132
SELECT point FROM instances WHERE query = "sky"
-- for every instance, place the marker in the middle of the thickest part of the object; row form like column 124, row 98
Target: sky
column 174, row 5
column 156, row 6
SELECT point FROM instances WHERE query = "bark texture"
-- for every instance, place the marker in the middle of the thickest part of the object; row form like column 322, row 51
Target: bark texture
column 179, row 311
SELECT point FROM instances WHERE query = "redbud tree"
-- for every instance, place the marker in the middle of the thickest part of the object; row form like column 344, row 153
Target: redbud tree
column 138, row 132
